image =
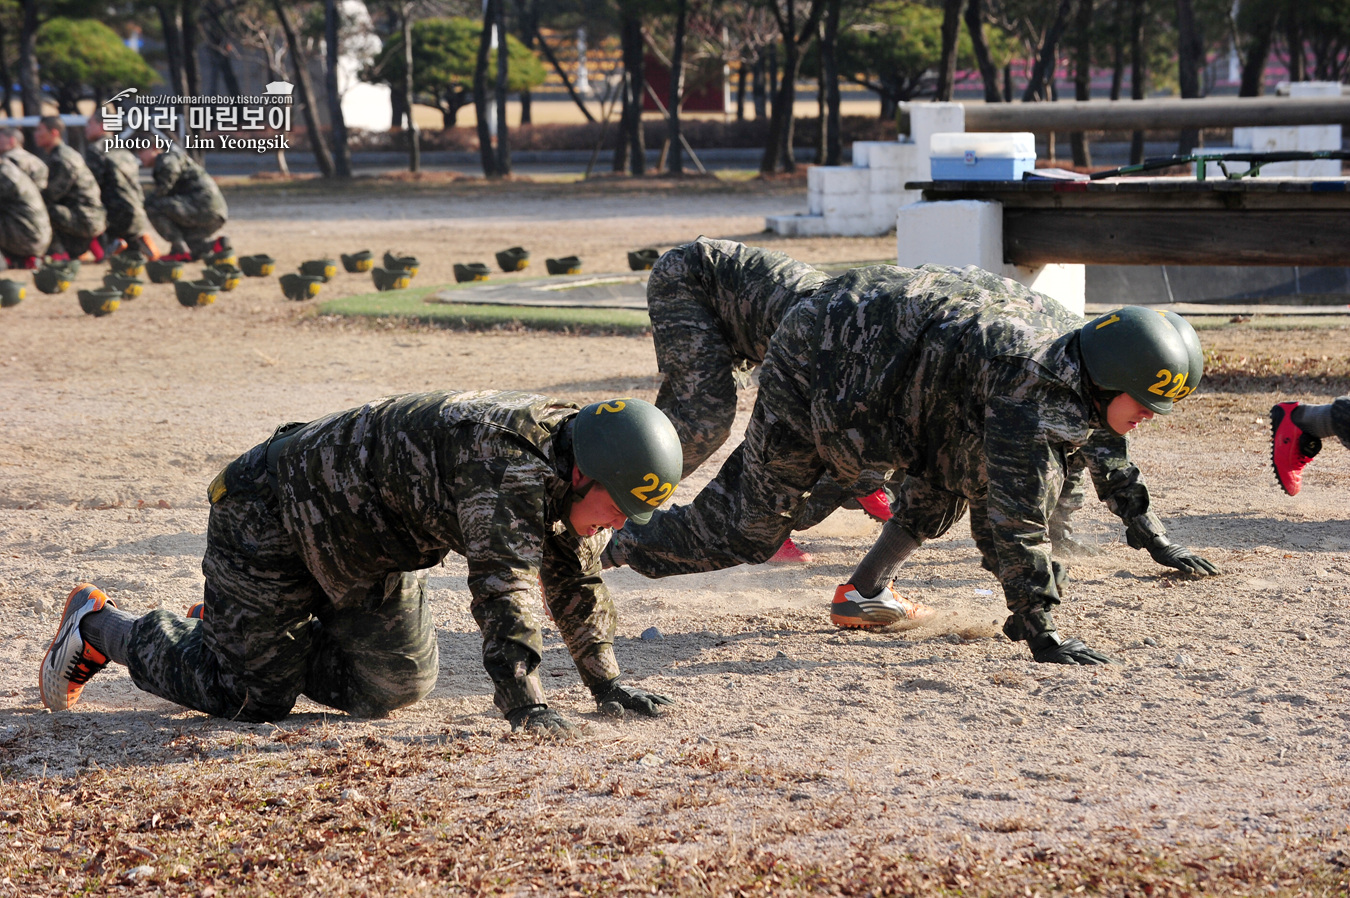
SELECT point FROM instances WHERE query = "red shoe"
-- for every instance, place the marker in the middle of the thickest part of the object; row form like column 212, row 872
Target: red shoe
column 221, row 245
column 176, row 257
column 96, row 250
column 877, row 505
column 1290, row 448
column 23, row 262
column 59, row 257
column 851, row 610
column 789, row 553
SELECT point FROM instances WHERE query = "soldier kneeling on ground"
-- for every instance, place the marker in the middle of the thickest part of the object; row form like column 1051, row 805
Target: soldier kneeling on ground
column 187, row 207
column 315, row 535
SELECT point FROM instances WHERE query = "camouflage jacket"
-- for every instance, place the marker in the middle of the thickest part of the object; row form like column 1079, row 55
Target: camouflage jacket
column 399, row 483
column 21, row 206
column 29, row 164
column 69, row 180
column 116, row 170
column 963, row 379
column 176, row 175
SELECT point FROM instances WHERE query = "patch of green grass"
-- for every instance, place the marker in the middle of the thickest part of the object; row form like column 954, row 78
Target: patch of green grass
column 410, row 305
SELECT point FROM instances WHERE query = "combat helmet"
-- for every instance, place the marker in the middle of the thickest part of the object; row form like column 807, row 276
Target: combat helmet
column 1194, row 352
column 1136, row 351
column 630, row 447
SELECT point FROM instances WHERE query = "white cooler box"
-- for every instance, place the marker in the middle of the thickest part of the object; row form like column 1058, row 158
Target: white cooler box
column 974, row 156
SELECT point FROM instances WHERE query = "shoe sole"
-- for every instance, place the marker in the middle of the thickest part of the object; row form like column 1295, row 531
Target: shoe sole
column 1276, row 419
column 67, row 620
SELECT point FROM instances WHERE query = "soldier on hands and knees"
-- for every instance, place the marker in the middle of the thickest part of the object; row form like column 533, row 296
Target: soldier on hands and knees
column 973, row 385
column 318, row 534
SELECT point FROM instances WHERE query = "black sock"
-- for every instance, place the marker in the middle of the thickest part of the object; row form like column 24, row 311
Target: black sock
column 109, row 631
column 1314, row 420
column 884, row 560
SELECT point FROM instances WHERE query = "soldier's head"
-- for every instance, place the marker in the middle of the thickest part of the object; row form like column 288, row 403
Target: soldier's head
column 50, row 131
column 149, row 154
column 10, row 137
column 93, row 128
column 1138, row 363
column 627, row 463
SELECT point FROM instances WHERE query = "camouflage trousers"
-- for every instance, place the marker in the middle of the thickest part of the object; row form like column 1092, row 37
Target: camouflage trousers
column 126, row 215
column 700, row 368
column 1340, row 419
column 24, row 235
column 74, row 226
column 269, row 633
column 183, row 222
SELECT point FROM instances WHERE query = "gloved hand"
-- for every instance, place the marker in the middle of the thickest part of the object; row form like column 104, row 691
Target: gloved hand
column 613, row 698
column 1168, row 553
column 540, row 719
column 1051, row 648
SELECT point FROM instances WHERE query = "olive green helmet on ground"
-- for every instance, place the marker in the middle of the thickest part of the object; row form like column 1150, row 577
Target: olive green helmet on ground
column 630, row 447
column 1137, row 351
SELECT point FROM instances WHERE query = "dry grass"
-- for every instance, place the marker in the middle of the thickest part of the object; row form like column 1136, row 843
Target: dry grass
column 305, row 814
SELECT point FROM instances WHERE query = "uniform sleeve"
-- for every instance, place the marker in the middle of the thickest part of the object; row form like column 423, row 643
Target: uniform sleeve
column 60, row 179
column 167, row 169
column 502, row 515
column 1025, row 459
column 581, row 604
column 1120, row 484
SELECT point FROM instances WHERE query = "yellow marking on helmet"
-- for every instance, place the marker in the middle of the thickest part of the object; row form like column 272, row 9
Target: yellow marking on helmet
column 1112, row 320
column 617, row 405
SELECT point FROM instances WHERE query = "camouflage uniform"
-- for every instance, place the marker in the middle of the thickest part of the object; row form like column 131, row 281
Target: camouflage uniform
column 187, row 207
column 714, row 305
column 29, row 164
column 25, row 229
column 118, row 174
column 307, row 560
column 969, row 383
column 73, row 201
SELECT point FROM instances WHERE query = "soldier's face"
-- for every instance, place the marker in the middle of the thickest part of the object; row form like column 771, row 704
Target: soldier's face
column 594, row 511
column 44, row 138
column 1124, row 414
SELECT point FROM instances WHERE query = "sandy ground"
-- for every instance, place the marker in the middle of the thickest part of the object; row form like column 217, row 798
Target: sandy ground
column 1223, row 727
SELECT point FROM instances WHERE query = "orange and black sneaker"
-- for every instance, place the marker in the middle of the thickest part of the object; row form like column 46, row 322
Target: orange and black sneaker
column 70, row 661
column 789, row 553
column 1290, row 448
column 197, row 611
column 854, row 611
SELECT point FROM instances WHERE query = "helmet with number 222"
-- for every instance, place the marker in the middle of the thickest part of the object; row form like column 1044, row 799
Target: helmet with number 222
column 630, row 447
column 1143, row 353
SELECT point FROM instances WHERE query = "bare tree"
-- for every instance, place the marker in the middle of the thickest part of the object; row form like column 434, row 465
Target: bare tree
column 342, row 167
column 321, row 154
column 951, row 26
column 1190, row 60
column 980, row 47
column 796, row 31
column 1082, row 77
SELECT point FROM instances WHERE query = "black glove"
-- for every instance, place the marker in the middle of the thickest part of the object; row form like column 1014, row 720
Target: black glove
column 1051, row 648
column 1183, row 559
column 614, row 698
column 540, row 719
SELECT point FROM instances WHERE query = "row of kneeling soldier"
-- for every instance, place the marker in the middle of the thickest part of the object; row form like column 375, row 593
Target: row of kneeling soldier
column 60, row 205
column 942, row 390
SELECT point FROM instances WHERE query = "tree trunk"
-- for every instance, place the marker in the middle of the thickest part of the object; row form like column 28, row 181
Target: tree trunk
column 741, row 74
column 621, row 138
column 829, row 63
column 273, row 74
column 782, row 122
column 342, row 156
column 1137, row 75
column 772, row 74
column 637, row 88
column 1082, row 78
column 480, row 97
column 397, row 109
column 218, row 43
column 173, row 47
column 1190, row 60
column 951, row 27
column 503, row 71
column 988, row 72
column 1254, row 62
column 527, row 18
column 405, row 92
column 757, row 88
column 316, row 141
column 6, row 82
column 676, row 85
column 1293, row 32
column 1045, row 61
column 1118, row 51
column 567, row 82
column 192, row 67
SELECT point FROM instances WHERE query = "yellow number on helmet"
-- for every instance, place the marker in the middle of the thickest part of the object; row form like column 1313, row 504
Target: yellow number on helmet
column 617, row 405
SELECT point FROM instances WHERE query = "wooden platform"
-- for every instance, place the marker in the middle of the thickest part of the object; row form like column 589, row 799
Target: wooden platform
column 1165, row 221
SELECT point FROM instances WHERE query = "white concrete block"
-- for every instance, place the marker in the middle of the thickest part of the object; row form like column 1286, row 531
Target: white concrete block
column 815, row 202
column 850, row 222
column 884, row 180
column 862, row 153
column 891, row 154
column 884, row 207
column 1319, row 137
column 927, row 119
column 1062, row 282
column 797, row 225
column 1310, row 88
column 841, row 180
column 953, row 232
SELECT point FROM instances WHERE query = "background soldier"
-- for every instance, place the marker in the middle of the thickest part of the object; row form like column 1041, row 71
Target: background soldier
column 714, row 305
column 25, row 229
column 314, row 534
column 187, row 207
column 72, row 194
column 118, row 173
column 11, row 147
column 971, row 383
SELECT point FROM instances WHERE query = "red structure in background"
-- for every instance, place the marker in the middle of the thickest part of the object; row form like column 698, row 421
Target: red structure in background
column 705, row 87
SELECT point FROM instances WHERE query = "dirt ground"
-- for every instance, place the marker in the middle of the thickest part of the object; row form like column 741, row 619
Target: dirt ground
column 1221, row 732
